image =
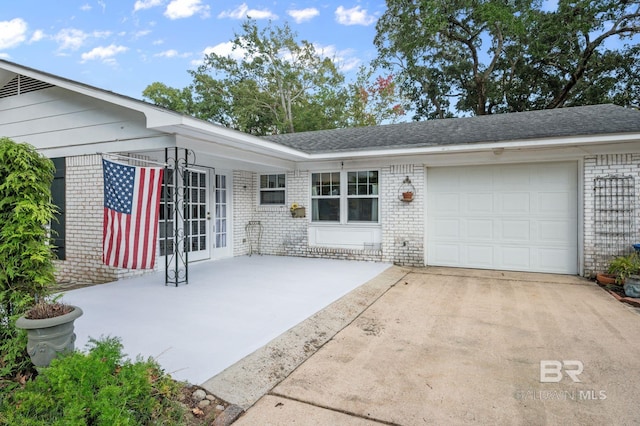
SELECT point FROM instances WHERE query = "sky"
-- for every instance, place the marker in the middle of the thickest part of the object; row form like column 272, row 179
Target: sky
column 125, row 45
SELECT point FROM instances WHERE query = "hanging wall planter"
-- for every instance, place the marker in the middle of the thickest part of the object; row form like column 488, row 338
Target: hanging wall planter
column 48, row 337
column 407, row 190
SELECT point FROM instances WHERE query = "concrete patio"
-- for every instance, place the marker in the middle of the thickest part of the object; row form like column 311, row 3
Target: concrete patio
column 229, row 309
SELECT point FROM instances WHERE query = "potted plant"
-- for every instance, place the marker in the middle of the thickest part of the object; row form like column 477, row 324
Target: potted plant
column 632, row 286
column 297, row 210
column 623, row 267
column 26, row 250
column 50, row 330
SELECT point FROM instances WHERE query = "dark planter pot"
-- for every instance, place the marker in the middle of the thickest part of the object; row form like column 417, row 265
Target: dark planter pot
column 48, row 337
column 632, row 286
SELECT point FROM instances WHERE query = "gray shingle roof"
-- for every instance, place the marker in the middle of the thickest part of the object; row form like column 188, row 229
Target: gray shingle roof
column 553, row 123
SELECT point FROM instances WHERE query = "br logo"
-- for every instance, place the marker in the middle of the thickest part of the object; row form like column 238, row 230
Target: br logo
column 551, row 370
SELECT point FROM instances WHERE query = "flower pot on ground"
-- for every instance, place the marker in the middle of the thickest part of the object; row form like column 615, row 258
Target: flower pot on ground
column 632, row 286
column 624, row 266
column 606, row 279
column 50, row 333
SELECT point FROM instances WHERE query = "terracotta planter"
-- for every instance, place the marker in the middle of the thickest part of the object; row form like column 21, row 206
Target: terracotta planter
column 48, row 337
column 407, row 196
column 606, row 279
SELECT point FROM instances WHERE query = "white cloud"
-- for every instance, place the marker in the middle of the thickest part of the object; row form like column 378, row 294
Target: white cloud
column 5, row 56
column 12, row 33
column 303, row 15
column 37, row 36
column 104, row 53
column 344, row 59
column 172, row 53
column 242, row 11
column 73, row 39
column 70, row 39
column 226, row 49
column 85, row 7
column 354, row 16
column 178, row 9
column 146, row 4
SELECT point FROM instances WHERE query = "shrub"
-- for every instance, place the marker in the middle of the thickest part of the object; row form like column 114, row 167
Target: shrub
column 96, row 388
column 26, row 258
column 624, row 266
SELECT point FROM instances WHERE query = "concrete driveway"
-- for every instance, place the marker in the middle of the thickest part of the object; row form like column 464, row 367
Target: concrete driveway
column 451, row 346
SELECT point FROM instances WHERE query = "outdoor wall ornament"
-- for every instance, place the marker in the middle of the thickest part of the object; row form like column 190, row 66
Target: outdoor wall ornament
column 407, row 190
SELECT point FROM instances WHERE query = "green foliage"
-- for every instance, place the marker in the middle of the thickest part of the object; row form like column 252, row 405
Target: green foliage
column 96, row 388
column 488, row 56
column 273, row 83
column 624, row 266
column 26, row 256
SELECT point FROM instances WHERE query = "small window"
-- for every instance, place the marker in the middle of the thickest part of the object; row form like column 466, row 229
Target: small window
column 272, row 189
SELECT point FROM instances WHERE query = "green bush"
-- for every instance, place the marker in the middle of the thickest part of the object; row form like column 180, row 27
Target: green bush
column 624, row 266
column 96, row 388
column 26, row 256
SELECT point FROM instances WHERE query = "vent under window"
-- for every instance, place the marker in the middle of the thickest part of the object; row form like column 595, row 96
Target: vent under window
column 22, row 84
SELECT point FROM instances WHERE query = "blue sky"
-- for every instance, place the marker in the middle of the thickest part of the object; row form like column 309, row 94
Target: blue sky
column 125, row 45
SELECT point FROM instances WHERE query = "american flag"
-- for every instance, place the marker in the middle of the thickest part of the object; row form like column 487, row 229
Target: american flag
column 131, row 209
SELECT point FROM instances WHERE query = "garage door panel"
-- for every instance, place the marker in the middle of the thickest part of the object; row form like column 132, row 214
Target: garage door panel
column 447, row 229
column 555, row 260
column 479, row 229
column 515, row 257
column 448, row 202
column 516, row 202
column 446, row 254
column 554, row 202
column 553, row 231
column 520, row 217
column 516, row 230
column 480, row 256
column 479, row 203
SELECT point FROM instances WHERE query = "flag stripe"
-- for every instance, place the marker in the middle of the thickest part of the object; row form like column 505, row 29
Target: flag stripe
column 131, row 214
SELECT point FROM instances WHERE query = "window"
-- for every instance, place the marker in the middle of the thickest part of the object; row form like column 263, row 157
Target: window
column 272, row 188
column 344, row 197
column 362, row 196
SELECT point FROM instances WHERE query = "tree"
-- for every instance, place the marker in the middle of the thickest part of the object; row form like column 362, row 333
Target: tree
column 374, row 101
column 487, row 56
column 276, row 80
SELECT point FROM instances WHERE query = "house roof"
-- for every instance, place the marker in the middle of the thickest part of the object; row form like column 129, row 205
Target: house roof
column 520, row 126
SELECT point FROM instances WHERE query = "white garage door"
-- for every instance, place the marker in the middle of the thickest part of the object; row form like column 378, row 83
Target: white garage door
column 520, row 217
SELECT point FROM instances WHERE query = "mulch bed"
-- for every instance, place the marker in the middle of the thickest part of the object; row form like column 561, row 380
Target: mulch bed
column 618, row 293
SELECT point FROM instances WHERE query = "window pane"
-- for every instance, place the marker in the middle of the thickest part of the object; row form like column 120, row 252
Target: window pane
column 326, row 209
column 363, row 209
column 272, row 197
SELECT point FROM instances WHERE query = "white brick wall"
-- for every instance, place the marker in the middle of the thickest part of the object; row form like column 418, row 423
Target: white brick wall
column 402, row 223
column 600, row 166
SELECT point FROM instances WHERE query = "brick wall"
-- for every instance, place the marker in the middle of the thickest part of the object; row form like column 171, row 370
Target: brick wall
column 600, row 166
column 403, row 222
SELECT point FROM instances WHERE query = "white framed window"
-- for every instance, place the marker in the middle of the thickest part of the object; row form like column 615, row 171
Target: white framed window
column 272, row 189
column 345, row 197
